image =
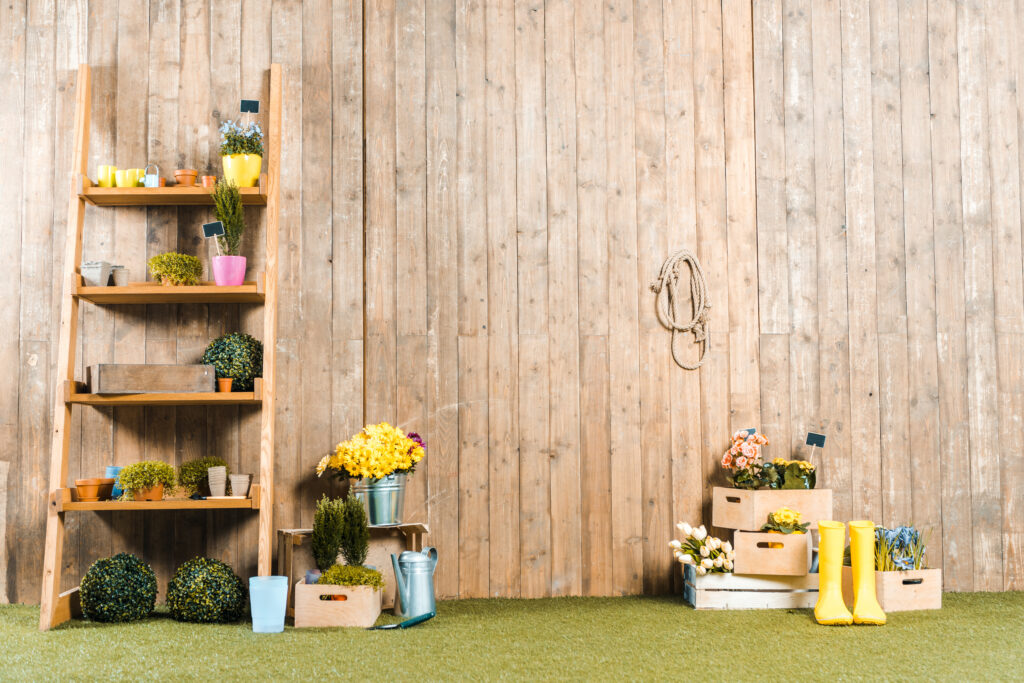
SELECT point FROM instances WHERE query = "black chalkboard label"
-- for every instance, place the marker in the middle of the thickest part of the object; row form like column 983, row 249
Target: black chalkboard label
column 213, row 229
column 250, row 106
column 817, row 440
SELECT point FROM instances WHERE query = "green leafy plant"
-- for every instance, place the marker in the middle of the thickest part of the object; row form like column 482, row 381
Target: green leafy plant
column 118, row 588
column 205, row 590
column 236, row 139
column 172, row 268
column 144, row 475
column 355, row 535
column 328, row 530
column 227, row 208
column 238, row 356
column 349, row 575
column 192, row 475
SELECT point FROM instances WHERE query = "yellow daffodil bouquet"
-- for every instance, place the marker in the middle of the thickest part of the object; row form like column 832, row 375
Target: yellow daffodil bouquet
column 377, row 451
column 785, row 521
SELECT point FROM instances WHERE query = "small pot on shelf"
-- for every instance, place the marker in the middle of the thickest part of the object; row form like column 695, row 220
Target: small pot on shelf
column 240, row 484
column 242, row 169
column 95, row 273
column 209, row 180
column 152, row 493
column 229, row 271
column 93, row 490
column 224, row 384
column 186, row 177
column 217, row 477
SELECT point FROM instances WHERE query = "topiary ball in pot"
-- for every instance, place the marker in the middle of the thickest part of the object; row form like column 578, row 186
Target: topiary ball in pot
column 118, row 588
column 205, row 590
column 238, row 356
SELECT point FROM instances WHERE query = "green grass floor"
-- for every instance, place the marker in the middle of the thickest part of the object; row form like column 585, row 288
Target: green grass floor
column 975, row 637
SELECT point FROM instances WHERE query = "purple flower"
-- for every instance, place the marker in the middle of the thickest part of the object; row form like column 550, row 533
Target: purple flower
column 418, row 439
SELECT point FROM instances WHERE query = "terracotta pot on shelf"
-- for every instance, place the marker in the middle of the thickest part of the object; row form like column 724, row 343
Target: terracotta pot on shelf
column 224, row 384
column 152, row 493
column 186, row 177
column 92, row 490
column 209, row 180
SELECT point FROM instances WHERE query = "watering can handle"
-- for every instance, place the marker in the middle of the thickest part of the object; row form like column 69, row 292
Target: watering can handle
column 431, row 552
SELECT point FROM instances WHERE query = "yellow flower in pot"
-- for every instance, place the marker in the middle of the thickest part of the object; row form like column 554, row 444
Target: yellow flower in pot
column 241, row 151
column 785, row 521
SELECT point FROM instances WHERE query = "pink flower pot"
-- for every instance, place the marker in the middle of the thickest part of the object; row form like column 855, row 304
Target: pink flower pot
column 229, row 271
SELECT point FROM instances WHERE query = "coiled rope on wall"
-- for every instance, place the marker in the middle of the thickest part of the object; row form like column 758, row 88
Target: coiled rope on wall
column 666, row 301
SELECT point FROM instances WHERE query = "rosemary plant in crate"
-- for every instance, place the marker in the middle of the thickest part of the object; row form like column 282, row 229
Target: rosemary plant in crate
column 328, row 529
column 355, row 535
column 228, row 265
column 172, row 268
column 238, row 356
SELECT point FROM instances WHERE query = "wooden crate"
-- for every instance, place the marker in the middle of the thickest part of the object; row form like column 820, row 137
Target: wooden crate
column 732, row 591
column 902, row 591
column 295, row 555
column 760, row 552
column 127, row 378
column 359, row 608
column 748, row 510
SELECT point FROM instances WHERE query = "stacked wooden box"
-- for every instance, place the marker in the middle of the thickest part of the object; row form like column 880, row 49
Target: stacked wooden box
column 770, row 570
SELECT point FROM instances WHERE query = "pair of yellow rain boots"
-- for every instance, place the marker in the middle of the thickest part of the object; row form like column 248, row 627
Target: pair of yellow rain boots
column 831, row 610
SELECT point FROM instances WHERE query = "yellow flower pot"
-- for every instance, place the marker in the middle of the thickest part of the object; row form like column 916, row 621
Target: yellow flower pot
column 243, row 169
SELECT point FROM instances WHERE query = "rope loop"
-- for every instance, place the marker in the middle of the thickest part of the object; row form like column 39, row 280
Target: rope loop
column 667, row 300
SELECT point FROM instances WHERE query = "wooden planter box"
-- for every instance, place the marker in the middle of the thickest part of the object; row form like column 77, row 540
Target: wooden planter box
column 760, row 552
column 731, row 591
column 359, row 608
column 108, row 378
column 295, row 555
column 902, row 591
column 748, row 510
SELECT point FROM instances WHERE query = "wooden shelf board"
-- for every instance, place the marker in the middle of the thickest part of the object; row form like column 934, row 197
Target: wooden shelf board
column 62, row 499
column 75, row 392
column 174, row 195
column 153, row 293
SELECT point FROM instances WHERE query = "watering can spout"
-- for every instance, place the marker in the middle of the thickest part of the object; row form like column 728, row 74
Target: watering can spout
column 400, row 582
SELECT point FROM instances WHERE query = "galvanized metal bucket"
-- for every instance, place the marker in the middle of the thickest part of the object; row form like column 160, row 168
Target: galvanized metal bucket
column 383, row 498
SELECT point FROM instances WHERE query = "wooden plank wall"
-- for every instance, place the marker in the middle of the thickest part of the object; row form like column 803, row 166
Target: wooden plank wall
column 475, row 198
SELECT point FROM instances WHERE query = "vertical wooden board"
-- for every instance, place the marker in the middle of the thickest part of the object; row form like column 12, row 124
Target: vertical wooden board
column 442, row 293
column 947, row 202
column 592, row 249
column 890, row 284
column 474, row 552
column 776, row 420
column 802, row 240
column 502, row 295
column 532, row 290
column 770, row 174
column 833, row 322
column 741, row 214
column 863, row 352
column 712, row 239
column 563, row 298
column 412, row 417
column 680, row 181
column 623, row 336
column 982, row 375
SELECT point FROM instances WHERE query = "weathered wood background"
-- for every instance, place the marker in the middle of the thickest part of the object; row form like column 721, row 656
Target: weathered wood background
column 475, row 198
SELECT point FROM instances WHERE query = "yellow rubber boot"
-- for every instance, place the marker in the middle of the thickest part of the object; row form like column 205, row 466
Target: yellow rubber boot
column 866, row 609
column 831, row 610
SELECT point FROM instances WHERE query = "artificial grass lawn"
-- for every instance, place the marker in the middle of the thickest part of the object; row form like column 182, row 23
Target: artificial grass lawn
column 978, row 636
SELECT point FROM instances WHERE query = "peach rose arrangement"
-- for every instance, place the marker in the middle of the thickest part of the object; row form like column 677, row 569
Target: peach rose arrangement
column 743, row 460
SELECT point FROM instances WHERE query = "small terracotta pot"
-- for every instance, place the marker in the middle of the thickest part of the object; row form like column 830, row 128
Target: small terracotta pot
column 152, row 493
column 163, row 181
column 92, row 490
column 186, row 177
column 224, row 384
column 166, row 283
column 209, row 180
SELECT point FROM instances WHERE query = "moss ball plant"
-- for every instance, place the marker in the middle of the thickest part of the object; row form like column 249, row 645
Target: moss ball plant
column 118, row 588
column 173, row 268
column 192, row 475
column 205, row 590
column 144, row 475
column 349, row 575
column 236, row 355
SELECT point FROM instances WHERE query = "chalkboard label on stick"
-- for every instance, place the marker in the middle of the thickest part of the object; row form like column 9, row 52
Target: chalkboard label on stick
column 213, row 229
column 815, row 440
column 250, row 106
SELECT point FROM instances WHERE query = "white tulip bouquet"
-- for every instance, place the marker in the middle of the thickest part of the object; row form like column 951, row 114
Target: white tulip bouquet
column 707, row 554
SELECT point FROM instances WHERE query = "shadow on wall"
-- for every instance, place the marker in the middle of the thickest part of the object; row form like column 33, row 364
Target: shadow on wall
column 4, row 468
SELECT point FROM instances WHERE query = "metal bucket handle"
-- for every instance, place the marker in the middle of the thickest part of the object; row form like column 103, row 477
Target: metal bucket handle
column 431, row 552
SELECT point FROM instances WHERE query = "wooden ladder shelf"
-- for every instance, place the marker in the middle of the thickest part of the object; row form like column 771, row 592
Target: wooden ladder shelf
column 57, row 607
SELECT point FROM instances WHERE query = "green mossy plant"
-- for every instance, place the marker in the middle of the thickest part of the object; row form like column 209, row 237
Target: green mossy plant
column 241, row 139
column 349, row 575
column 355, row 535
column 227, row 208
column 193, row 477
column 205, row 590
column 238, row 356
column 172, row 268
column 328, row 530
column 117, row 589
column 144, row 475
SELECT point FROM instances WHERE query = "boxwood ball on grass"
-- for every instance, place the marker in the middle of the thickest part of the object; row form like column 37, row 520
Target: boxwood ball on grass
column 205, row 590
column 118, row 588
column 238, row 356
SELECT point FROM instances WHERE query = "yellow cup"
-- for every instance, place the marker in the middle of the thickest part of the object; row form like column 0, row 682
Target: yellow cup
column 140, row 177
column 127, row 177
column 105, row 176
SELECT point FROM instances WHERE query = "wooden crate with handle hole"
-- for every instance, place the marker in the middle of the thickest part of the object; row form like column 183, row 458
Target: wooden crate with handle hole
column 902, row 591
column 748, row 510
column 330, row 606
column 732, row 591
column 762, row 552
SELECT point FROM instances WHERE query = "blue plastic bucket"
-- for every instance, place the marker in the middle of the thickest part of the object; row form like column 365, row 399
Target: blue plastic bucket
column 112, row 473
column 268, row 597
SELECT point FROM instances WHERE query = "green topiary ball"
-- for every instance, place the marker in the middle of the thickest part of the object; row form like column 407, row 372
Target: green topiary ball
column 238, row 356
column 118, row 588
column 205, row 590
